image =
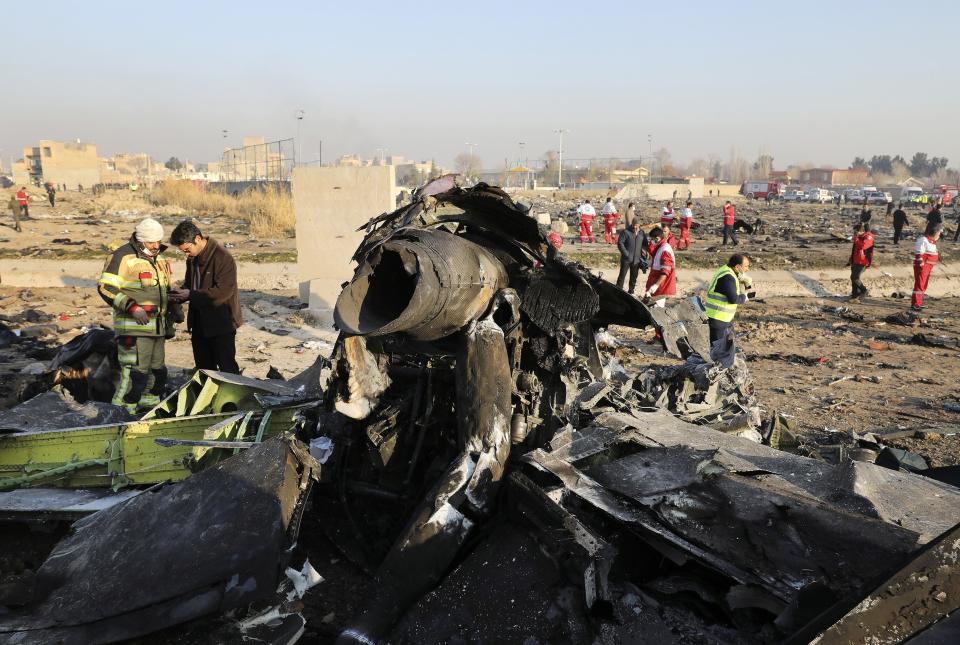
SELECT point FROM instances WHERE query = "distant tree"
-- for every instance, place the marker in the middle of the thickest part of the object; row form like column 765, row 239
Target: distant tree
column 663, row 159
column 920, row 165
column 763, row 166
column 937, row 164
column 467, row 164
column 898, row 169
column 698, row 167
column 860, row 162
column 550, row 167
column 174, row 164
column 881, row 164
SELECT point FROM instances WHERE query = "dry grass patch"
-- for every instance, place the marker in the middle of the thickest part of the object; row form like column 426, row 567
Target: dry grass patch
column 268, row 208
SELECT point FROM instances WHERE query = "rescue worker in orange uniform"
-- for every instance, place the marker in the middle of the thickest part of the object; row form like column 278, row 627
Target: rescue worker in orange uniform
column 662, row 280
column 925, row 257
column 587, row 213
column 666, row 216
column 610, row 217
column 686, row 221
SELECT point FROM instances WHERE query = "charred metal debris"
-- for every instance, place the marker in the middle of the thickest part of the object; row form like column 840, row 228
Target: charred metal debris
column 467, row 392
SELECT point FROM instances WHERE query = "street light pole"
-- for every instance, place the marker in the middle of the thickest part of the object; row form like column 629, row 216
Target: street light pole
column 650, row 146
column 471, row 146
column 299, row 115
column 560, row 131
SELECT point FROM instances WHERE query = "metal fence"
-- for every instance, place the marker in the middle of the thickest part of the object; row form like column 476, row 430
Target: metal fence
column 272, row 161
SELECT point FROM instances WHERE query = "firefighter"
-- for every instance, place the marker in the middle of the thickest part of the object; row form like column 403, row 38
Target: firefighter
column 729, row 215
column 861, row 257
column 925, row 257
column 610, row 217
column 686, row 221
column 727, row 290
column 135, row 283
column 666, row 216
column 586, row 213
column 662, row 281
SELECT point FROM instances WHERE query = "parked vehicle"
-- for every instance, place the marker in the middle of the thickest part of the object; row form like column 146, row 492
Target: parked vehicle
column 819, row 195
column 876, row 197
column 760, row 189
column 853, row 195
column 795, row 196
column 909, row 193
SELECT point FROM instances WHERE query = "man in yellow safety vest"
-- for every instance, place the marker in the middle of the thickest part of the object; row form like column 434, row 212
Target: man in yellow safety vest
column 727, row 291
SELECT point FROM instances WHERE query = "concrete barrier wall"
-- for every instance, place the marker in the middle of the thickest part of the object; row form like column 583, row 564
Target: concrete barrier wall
column 330, row 204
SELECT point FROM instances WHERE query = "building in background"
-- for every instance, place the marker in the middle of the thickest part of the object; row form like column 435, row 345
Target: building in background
column 835, row 176
column 57, row 162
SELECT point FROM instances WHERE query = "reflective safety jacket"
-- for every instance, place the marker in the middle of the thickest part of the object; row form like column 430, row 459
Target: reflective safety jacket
column 132, row 279
column 717, row 305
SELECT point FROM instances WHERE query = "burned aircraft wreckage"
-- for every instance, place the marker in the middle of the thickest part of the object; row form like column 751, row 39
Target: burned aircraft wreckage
column 467, row 386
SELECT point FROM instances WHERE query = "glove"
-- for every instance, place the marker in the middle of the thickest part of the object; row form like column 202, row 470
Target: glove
column 141, row 316
column 746, row 281
column 652, row 290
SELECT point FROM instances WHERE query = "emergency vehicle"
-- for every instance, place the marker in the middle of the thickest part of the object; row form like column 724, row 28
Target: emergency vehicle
column 764, row 189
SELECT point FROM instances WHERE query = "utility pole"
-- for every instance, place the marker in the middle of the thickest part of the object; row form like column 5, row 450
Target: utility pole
column 299, row 115
column 560, row 131
column 650, row 146
column 470, row 147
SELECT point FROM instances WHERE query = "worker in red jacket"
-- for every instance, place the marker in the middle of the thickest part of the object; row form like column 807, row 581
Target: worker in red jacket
column 556, row 241
column 860, row 258
column 586, row 213
column 662, row 280
column 610, row 217
column 925, row 257
column 686, row 221
column 666, row 216
column 729, row 215
column 24, row 201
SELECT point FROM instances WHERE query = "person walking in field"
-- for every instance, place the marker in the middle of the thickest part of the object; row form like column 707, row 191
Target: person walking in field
column 14, row 207
column 666, row 216
column 729, row 216
column 861, row 257
column 925, row 257
column 586, row 213
column 686, row 222
column 632, row 244
column 899, row 221
column 610, row 217
column 24, row 200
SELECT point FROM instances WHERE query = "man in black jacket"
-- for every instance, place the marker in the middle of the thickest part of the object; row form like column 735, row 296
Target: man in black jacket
column 210, row 286
column 632, row 243
column 899, row 221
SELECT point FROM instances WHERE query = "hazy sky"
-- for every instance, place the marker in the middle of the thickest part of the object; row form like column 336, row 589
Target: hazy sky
column 822, row 83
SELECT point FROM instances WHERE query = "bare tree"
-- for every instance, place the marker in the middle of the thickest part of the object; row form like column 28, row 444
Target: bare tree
column 467, row 164
column 763, row 166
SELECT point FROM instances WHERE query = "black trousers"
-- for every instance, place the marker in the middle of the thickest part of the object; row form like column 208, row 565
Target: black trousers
column 728, row 232
column 723, row 342
column 216, row 352
column 856, row 270
column 633, row 269
column 897, row 233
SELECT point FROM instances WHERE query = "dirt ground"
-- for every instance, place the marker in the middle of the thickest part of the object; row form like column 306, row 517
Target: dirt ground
column 840, row 367
column 82, row 226
column 795, row 236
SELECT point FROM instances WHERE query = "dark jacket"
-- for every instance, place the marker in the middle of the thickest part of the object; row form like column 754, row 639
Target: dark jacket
column 899, row 217
column 632, row 245
column 214, row 298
